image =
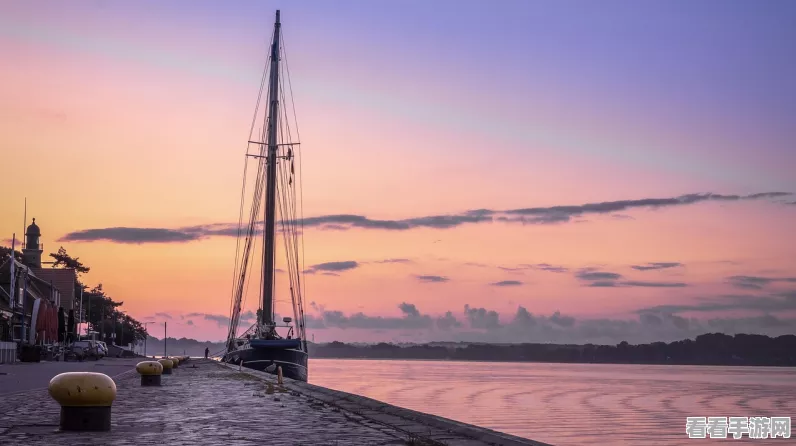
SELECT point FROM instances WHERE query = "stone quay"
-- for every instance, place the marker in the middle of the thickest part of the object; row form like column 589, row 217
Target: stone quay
column 205, row 402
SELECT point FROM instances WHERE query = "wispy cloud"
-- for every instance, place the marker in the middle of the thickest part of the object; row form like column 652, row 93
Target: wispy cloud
column 432, row 279
column 622, row 217
column 246, row 317
column 640, row 283
column 756, row 282
column 605, row 279
column 775, row 302
column 656, row 266
column 411, row 319
column 591, row 274
column 531, row 215
column 536, row 266
column 133, row 235
column 332, row 268
column 560, row 214
column 506, row 283
column 163, row 315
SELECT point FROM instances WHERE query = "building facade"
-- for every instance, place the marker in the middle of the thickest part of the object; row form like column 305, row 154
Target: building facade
column 23, row 283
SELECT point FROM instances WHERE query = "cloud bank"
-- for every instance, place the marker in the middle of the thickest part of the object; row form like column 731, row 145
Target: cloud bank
column 662, row 323
column 531, row 215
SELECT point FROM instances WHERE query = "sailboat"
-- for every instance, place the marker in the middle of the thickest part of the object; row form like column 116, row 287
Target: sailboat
column 268, row 345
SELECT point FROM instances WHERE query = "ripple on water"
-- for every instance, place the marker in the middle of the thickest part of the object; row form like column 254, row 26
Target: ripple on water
column 569, row 404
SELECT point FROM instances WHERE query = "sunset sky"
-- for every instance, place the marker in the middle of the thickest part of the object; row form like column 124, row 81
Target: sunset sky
column 117, row 116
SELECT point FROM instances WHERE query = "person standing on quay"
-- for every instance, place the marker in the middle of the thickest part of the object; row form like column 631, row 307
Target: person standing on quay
column 207, row 352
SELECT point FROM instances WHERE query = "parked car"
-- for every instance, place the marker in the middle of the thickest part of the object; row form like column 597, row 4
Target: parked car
column 85, row 349
column 103, row 349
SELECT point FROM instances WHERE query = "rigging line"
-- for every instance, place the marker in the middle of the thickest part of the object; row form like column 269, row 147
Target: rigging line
column 242, row 268
column 291, row 226
column 288, row 237
column 288, row 208
column 284, row 205
column 281, row 200
column 250, row 228
column 291, row 244
column 294, row 258
column 247, row 253
column 240, row 228
column 245, row 170
column 301, row 187
column 245, row 287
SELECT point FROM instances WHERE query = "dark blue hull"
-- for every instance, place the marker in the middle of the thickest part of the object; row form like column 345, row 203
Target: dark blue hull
column 293, row 361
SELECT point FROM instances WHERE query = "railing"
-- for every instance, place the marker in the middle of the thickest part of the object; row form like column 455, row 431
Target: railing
column 8, row 352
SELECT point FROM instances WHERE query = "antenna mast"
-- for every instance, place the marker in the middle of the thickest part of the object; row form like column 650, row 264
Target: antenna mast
column 24, row 222
column 270, row 198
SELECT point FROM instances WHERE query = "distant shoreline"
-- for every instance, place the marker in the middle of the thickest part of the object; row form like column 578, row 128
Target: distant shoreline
column 517, row 361
column 714, row 349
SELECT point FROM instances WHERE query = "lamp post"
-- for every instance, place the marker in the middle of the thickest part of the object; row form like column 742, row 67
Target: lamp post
column 146, row 335
column 121, row 340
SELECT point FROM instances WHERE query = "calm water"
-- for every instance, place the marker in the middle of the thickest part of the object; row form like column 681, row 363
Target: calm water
column 571, row 404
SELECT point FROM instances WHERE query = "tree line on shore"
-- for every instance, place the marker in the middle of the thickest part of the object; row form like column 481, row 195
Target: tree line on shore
column 103, row 314
column 706, row 349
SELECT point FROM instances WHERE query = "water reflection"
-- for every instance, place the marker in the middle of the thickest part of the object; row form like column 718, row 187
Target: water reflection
column 570, row 404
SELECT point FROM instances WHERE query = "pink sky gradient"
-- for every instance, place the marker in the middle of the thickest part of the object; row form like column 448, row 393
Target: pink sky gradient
column 134, row 116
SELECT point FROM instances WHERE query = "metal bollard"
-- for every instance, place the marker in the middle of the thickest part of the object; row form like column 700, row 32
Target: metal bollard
column 167, row 365
column 85, row 399
column 150, row 372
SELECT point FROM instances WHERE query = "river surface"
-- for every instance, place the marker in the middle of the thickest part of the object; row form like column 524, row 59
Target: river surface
column 571, row 404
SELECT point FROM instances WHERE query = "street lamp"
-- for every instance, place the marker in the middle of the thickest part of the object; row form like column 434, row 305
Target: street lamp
column 146, row 335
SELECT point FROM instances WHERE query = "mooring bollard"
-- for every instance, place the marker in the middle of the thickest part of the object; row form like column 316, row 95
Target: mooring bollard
column 150, row 372
column 175, row 362
column 85, row 399
column 240, row 366
column 279, row 379
column 167, row 365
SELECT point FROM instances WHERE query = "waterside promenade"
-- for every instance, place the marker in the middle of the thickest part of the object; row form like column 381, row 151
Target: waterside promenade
column 205, row 402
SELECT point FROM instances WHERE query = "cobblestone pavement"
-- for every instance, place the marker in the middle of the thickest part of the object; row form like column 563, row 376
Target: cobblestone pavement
column 209, row 404
column 23, row 376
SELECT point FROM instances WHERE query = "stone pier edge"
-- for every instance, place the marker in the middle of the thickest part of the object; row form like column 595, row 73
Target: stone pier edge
column 431, row 428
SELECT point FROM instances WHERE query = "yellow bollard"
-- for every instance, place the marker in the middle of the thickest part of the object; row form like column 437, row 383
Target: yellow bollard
column 167, row 365
column 175, row 362
column 85, row 399
column 279, row 379
column 150, row 372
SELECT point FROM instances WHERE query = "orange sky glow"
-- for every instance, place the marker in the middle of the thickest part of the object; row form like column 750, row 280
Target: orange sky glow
column 105, row 126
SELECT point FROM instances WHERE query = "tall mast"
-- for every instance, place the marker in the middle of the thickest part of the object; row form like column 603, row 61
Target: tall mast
column 270, row 198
